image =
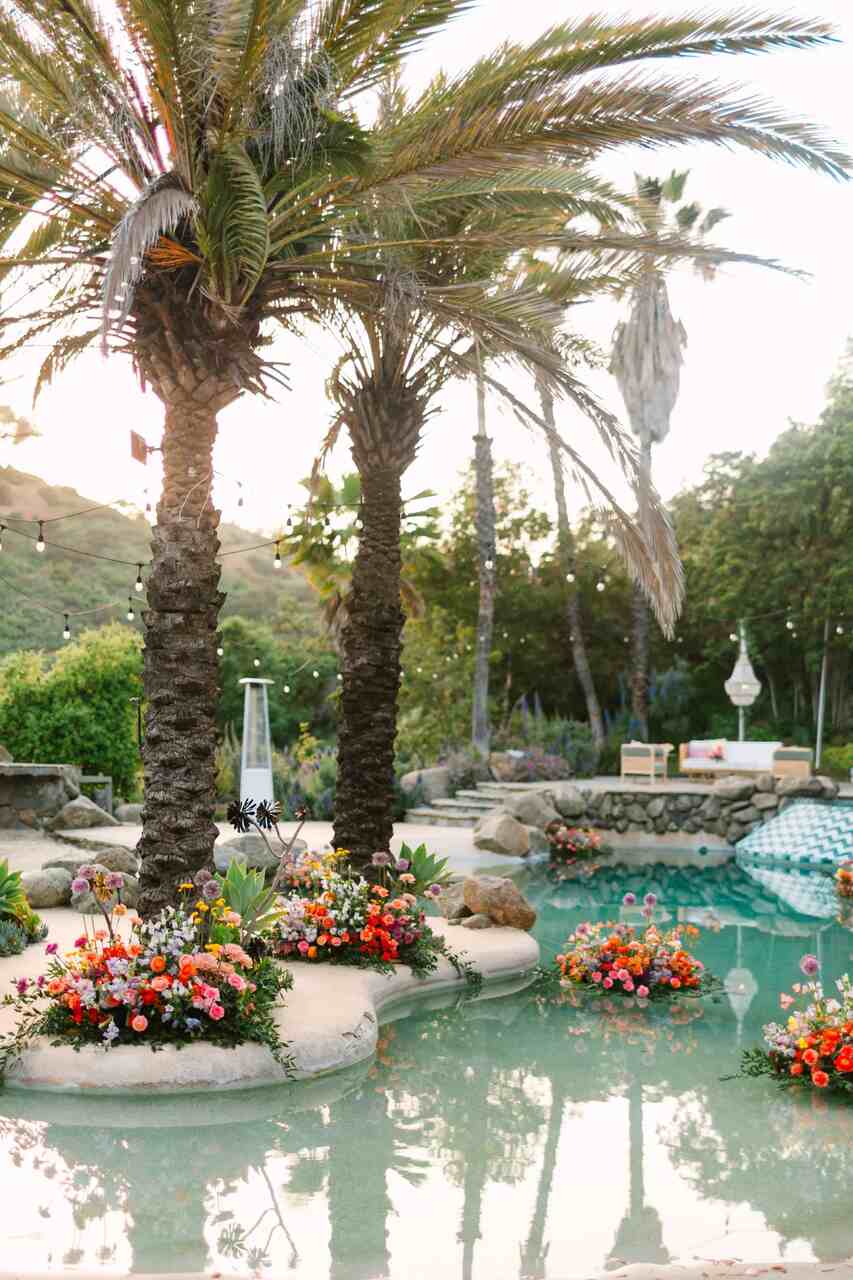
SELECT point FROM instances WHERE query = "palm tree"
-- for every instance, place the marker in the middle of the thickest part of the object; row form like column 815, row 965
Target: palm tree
column 176, row 181
column 648, row 352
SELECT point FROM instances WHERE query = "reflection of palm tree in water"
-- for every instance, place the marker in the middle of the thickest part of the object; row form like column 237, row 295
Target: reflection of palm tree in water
column 534, row 1252
column 640, row 1234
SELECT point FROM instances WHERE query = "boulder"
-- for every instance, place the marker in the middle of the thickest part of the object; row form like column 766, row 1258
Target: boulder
column 537, row 840
column 50, row 887
column 635, row 812
column 533, row 808
column 710, row 809
column 656, row 807
column 500, row 832
column 130, row 813
column 744, row 813
column 685, row 803
column 87, row 904
column 734, row 788
column 434, row 782
column 764, row 801
column 252, row 850
column 829, row 787
column 114, row 858
column 478, row 921
column 765, row 782
column 451, row 901
column 500, row 900
column 75, row 815
column 504, row 765
column 801, row 786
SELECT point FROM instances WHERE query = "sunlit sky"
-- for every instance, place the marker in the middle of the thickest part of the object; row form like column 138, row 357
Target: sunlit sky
column 761, row 345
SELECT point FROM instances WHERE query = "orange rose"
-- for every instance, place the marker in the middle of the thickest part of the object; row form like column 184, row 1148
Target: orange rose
column 158, row 964
column 796, row 1068
column 820, row 1079
column 844, row 1061
column 810, row 1057
column 312, row 952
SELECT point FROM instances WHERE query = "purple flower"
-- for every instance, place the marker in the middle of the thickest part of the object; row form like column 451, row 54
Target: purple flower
column 381, row 859
column 650, row 900
column 80, row 885
column 81, row 941
column 434, row 889
column 402, row 864
column 21, row 986
column 40, row 981
column 88, row 871
column 51, row 949
column 201, row 877
column 115, row 880
column 210, row 890
column 809, row 965
column 629, row 900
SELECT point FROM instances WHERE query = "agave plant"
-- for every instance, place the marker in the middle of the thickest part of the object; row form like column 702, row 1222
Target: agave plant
column 13, row 899
column 180, row 176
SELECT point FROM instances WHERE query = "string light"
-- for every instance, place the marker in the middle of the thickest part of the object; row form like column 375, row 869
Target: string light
column 66, row 632
column 570, row 577
column 789, row 624
column 316, row 675
column 130, row 614
column 289, row 521
column 137, row 586
column 240, row 487
column 489, row 564
column 256, row 662
column 733, row 636
column 600, row 585
column 839, row 630
column 287, row 688
column 339, row 676
column 40, row 542
column 276, row 564
column 220, row 652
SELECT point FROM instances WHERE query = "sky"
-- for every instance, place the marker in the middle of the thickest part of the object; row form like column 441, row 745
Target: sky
column 761, row 348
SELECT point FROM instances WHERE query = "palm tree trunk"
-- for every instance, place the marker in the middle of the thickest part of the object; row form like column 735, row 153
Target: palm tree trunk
column 640, row 609
column 486, row 551
column 180, row 673
column 370, row 642
column 565, row 550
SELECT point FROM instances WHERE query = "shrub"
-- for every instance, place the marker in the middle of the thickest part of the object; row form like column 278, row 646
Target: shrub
column 838, row 761
column 13, row 939
column 76, row 710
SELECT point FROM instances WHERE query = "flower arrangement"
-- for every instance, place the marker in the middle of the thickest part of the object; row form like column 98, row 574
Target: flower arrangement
column 645, row 965
column 844, row 880
column 813, row 1047
column 569, row 845
column 182, row 976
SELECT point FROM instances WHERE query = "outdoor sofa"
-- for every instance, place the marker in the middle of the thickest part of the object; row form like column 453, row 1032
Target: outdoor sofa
column 718, row 757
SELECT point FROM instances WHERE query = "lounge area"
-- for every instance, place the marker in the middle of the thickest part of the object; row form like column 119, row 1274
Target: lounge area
column 720, row 757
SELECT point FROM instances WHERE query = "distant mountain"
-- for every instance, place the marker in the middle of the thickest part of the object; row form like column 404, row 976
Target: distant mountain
column 68, row 580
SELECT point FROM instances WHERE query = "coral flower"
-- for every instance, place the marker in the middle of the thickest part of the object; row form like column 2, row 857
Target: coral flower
column 139, row 1023
column 119, row 909
column 796, row 1069
column 161, row 983
column 216, row 1012
column 675, row 982
column 820, row 1079
column 810, row 1057
column 157, row 964
column 844, row 1061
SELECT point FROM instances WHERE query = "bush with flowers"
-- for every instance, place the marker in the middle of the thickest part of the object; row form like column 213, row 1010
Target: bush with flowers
column 179, row 977
column 568, row 845
column 646, row 964
column 813, row 1047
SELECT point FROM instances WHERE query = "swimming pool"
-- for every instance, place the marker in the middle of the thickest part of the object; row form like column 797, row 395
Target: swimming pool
column 507, row 1139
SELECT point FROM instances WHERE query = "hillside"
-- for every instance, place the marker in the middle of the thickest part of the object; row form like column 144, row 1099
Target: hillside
column 70, row 580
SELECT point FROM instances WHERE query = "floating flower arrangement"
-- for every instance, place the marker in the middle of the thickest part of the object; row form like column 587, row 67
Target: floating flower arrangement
column 813, row 1047
column 574, row 850
column 644, row 964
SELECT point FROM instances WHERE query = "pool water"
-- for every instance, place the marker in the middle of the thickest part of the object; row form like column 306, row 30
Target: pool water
column 506, row 1139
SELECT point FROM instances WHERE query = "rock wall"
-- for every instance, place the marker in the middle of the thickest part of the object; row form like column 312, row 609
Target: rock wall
column 31, row 795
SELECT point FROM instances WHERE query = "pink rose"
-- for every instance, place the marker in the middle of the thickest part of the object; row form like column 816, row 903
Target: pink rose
column 623, row 975
column 302, row 946
column 628, row 985
column 160, row 983
column 238, row 983
column 642, row 992
column 216, row 1012
column 596, row 977
column 139, row 1023
column 210, row 993
column 608, row 982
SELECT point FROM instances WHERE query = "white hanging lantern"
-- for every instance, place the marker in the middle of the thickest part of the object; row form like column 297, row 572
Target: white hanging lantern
column 256, row 757
column 742, row 686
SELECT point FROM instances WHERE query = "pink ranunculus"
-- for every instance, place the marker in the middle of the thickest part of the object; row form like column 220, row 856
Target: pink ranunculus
column 642, row 992
column 216, row 1012
column 608, row 982
column 628, row 985
column 302, row 946
column 238, row 983
column 160, row 983
column 596, row 977
column 139, row 1023
column 210, row 993
column 623, row 975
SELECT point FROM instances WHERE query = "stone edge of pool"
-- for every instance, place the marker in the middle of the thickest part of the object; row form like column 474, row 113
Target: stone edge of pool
column 330, row 1021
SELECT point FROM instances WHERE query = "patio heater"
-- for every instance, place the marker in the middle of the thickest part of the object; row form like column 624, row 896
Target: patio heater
column 742, row 685
column 256, row 757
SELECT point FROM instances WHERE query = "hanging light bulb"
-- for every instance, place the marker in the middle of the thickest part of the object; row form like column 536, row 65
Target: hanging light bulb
column 339, row 676
column 220, row 652
column 570, row 577
column 839, row 630
column 40, row 543
column 419, row 670
column 600, row 585
column 490, row 564
column 289, row 521
column 130, row 614
column 276, row 564
column 789, row 624
column 256, row 662
column 287, row 688
column 66, row 632
column 733, row 637
column 316, row 675
column 137, row 586
column 240, row 499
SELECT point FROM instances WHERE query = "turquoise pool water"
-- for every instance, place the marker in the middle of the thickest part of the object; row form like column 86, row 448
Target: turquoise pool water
column 507, row 1139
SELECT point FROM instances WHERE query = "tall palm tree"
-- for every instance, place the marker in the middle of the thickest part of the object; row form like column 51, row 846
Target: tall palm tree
column 648, row 352
column 182, row 176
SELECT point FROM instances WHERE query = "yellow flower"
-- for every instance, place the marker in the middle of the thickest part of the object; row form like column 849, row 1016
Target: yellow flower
column 201, row 906
column 214, row 948
column 186, row 885
column 220, row 902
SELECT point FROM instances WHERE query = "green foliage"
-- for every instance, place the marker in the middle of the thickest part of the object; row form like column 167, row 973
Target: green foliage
column 427, row 868
column 290, row 665
column 244, row 890
column 310, row 784
column 436, row 690
column 13, row 939
column 76, row 709
column 13, row 899
column 838, row 761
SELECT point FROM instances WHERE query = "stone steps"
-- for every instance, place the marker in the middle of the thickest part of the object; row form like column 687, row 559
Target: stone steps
column 445, row 817
column 467, row 800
